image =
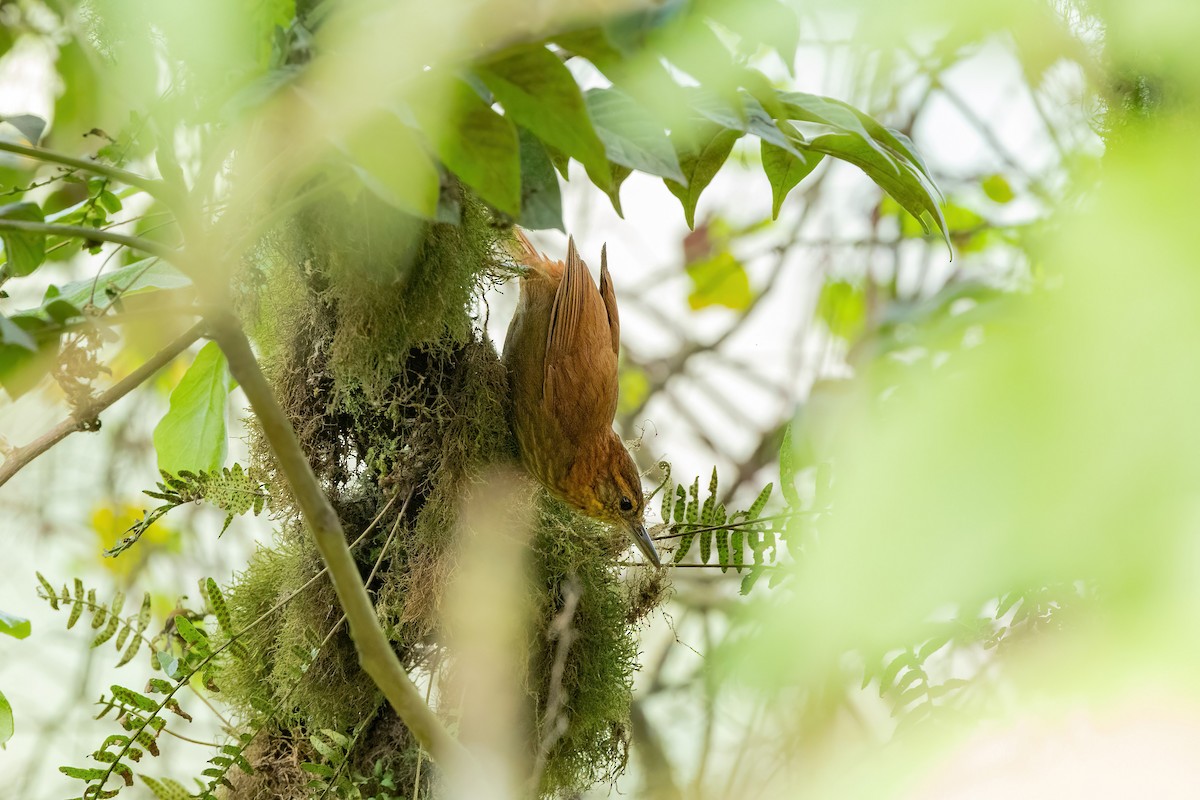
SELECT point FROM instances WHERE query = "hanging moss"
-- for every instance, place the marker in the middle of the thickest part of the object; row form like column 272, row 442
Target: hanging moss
column 364, row 321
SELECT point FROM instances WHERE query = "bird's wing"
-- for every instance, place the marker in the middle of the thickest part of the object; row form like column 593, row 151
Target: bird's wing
column 610, row 301
column 580, row 382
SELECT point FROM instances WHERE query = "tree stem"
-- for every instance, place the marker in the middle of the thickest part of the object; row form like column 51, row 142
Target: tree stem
column 375, row 652
column 153, row 187
column 82, row 417
column 80, row 232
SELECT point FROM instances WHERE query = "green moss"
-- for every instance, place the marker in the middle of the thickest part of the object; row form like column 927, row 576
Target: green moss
column 364, row 322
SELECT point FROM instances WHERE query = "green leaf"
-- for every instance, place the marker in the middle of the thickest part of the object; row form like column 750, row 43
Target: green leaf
column 13, row 334
column 538, row 92
column 541, row 198
column 842, row 307
column 24, row 251
column 31, row 127
column 998, row 189
column 192, row 435
column 166, row 789
column 719, row 280
column 393, row 164
column 788, row 468
column 766, row 21
column 6, row 721
column 702, row 150
column 631, row 135
column 784, row 170
column 903, row 182
column 480, row 147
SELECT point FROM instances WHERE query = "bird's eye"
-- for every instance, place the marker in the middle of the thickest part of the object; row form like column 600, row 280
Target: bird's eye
column 626, row 504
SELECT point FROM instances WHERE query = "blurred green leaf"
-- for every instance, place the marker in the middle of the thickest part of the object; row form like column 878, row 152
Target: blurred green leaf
column 631, row 136
column 16, row 627
column 24, row 251
column 6, row 721
column 760, row 21
column 538, row 92
column 784, row 170
column 842, row 306
column 634, row 388
column 480, row 147
column 719, row 280
column 702, row 150
column 21, row 369
column 31, row 127
column 79, row 104
column 14, row 334
column 192, row 435
column 997, row 188
column 541, row 196
column 392, row 163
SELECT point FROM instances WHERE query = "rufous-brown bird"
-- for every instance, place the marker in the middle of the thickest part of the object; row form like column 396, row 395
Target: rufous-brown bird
column 561, row 354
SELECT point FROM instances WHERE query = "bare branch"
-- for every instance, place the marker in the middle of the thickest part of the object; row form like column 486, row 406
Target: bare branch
column 81, row 232
column 84, row 417
column 151, row 186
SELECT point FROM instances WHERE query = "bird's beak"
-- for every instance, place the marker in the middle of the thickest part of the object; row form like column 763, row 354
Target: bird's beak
column 644, row 543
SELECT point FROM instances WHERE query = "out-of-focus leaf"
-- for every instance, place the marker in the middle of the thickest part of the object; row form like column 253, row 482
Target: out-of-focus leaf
column 702, row 150
column 539, row 93
column 634, row 387
column 16, row 627
column 14, row 334
column 760, row 21
column 842, row 307
column 541, row 197
column 79, row 104
column 393, row 165
column 998, row 189
column 480, row 147
column 23, row 250
column 21, row 368
column 719, row 280
column 631, row 136
column 31, row 127
column 784, row 170
column 192, row 435
column 6, row 721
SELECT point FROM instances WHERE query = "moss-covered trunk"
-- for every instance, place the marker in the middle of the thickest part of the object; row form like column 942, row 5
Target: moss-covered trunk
column 365, row 322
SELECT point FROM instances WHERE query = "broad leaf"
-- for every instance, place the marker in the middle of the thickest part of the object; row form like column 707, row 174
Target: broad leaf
column 631, row 135
column 480, row 147
column 784, row 170
column 719, row 280
column 539, row 93
column 24, row 251
column 702, row 150
column 22, row 368
column 193, row 435
column 760, row 21
column 16, row 627
column 393, row 164
column 6, row 721
column 906, row 184
column 31, row 127
column 541, row 197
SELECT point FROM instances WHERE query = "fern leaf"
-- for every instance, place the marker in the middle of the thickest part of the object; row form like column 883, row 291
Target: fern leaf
column 668, row 494
column 166, row 789
column 51, row 595
column 77, row 608
column 737, row 557
column 722, row 538
column 190, row 633
column 133, row 699
column 143, row 622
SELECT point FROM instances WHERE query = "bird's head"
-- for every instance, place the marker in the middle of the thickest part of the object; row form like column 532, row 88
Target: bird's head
column 616, row 497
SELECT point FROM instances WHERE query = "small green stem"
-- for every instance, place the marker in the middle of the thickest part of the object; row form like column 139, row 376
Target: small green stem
column 154, row 187
column 95, row 234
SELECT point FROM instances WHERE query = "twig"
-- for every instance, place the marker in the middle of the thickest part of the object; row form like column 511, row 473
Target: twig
column 554, row 721
column 375, row 652
column 151, row 186
column 84, row 418
column 82, row 232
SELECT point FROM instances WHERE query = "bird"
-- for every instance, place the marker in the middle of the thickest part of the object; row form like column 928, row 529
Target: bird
column 561, row 355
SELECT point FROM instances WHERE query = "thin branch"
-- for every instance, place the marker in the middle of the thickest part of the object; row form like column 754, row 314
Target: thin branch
column 94, row 234
column 84, row 418
column 375, row 652
column 150, row 185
